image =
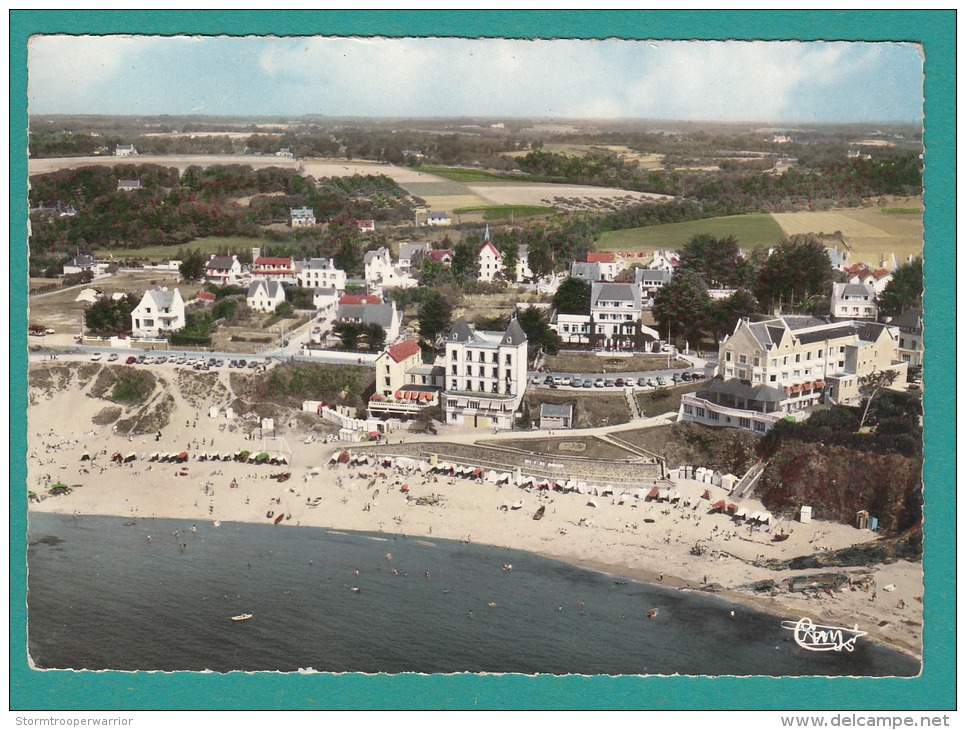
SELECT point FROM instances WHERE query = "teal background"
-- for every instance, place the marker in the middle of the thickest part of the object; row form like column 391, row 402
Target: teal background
column 933, row 690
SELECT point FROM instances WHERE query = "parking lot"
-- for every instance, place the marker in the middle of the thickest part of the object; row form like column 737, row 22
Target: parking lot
column 635, row 381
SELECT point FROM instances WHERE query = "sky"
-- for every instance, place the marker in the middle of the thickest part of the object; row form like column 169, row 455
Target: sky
column 729, row 81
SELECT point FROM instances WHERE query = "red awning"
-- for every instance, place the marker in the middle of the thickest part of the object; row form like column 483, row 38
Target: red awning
column 476, row 472
column 653, row 493
column 720, row 504
column 732, row 508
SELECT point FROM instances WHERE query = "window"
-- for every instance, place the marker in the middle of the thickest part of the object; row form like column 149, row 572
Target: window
column 482, row 387
column 820, row 352
column 744, row 422
column 388, row 382
column 808, row 355
column 454, row 386
column 772, row 378
column 743, row 359
column 728, row 356
column 469, row 369
column 798, row 357
column 454, row 369
column 496, row 372
column 699, row 412
column 759, row 426
column 757, row 362
column 714, row 416
column 688, row 410
column 455, row 355
column 774, row 362
column 509, row 359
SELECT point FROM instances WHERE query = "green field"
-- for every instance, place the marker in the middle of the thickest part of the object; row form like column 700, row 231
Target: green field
column 211, row 244
column 901, row 211
column 465, row 174
column 753, row 230
column 502, row 212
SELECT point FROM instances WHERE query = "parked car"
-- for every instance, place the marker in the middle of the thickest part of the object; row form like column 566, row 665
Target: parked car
column 686, row 376
column 588, row 383
column 112, row 357
column 676, row 378
column 608, row 383
column 548, row 380
column 619, row 382
column 241, row 363
column 220, row 363
column 161, row 360
column 697, row 376
column 661, row 381
column 536, row 379
column 212, row 362
column 577, row 382
column 651, row 382
column 252, row 364
column 642, row 382
column 599, row 383
column 96, row 357
column 131, row 360
column 141, row 359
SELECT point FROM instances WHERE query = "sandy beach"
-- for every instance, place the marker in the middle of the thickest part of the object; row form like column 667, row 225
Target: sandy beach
column 630, row 538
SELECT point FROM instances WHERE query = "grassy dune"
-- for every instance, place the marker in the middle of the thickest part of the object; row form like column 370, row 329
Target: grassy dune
column 207, row 245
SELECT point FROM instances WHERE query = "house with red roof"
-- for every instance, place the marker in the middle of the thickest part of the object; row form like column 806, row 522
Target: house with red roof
column 360, row 299
column 491, row 260
column 274, row 269
column 441, row 256
column 404, row 385
column 366, row 226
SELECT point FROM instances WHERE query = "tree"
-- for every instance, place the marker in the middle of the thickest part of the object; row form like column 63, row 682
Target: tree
column 509, row 249
column 904, row 291
column 540, row 256
column 107, row 317
column 539, row 334
column 466, row 264
column 284, row 309
column 798, row 269
column 717, row 260
column 682, row 306
column 375, row 336
column 573, row 296
column 870, row 386
column 433, row 316
column 723, row 314
column 348, row 333
column 193, row 265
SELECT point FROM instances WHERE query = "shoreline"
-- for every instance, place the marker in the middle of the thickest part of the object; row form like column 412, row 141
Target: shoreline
column 647, row 541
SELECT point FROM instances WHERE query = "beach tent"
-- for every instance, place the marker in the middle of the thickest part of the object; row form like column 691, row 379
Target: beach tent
column 591, row 503
column 754, row 516
column 731, row 508
column 213, row 412
column 477, row 472
column 130, row 457
column 153, row 457
column 607, row 490
column 491, row 476
column 718, row 506
column 653, row 493
column 675, row 496
column 664, row 495
column 344, row 457
column 85, row 456
column 706, row 495
column 765, row 518
column 741, row 513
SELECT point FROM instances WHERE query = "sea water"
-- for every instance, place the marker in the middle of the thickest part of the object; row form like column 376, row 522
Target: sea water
column 101, row 595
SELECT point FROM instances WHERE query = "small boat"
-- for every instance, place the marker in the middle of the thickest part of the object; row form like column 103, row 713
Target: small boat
column 282, row 477
column 517, row 505
column 539, row 513
column 779, row 537
column 279, row 518
column 506, row 566
column 242, row 617
column 652, row 613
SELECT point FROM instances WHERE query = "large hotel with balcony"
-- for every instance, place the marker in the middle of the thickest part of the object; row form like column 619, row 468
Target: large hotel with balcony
column 486, row 376
column 774, row 370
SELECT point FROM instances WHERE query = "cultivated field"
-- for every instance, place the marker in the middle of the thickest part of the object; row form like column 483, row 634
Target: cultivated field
column 561, row 197
column 752, row 231
column 873, row 234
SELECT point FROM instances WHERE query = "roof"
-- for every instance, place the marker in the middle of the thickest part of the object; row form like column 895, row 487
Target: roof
column 438, row 214
column 460, row 331
column 556, row 410
column 840, row 291
column 487, row 244
column 220, row 262
column 81, row 260
column 381, row 314
column 514, row 334
column 407, row 250
column 382, row 252
column 585, row 270
column 273, row 289
column 302, row 212
column 318, row 263
column 162, row 298
column 404, row 350
column 441, row 254
column 360, row 299
column 911, row 319
column 739, row 389
column 656, row 275
column 269, row 261
column 615, row 292
column 206, row 296
column 601, row 257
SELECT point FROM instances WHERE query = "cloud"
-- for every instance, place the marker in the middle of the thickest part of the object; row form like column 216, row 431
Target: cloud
column 713, row 80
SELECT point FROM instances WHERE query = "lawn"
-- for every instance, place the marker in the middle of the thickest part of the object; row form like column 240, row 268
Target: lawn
column 208, row 245
column 466, row 174
column 587, row 362
column 753, row 230
column 502, row 212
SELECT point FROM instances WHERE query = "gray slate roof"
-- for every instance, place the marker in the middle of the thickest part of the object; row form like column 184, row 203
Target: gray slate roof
column 460, row 331
column 220, row 262
column 556, row 410
column 514, row 334
column 656, row 276
column 273, row 288
column 380, row 314
column 614, row 292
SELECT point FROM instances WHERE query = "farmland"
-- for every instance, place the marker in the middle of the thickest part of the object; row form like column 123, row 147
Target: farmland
column 463, row 174
column 872, row 234
column 752, row 231
column 503, row 212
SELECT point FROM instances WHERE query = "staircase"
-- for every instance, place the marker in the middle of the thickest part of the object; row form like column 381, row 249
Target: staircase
column 749, row 480
column 632, row 404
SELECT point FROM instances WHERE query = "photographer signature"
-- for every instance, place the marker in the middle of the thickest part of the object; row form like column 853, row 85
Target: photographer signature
column 816, row 637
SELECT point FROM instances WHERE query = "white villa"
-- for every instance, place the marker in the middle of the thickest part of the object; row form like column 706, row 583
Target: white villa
column 264, row 295
column 160, row 312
